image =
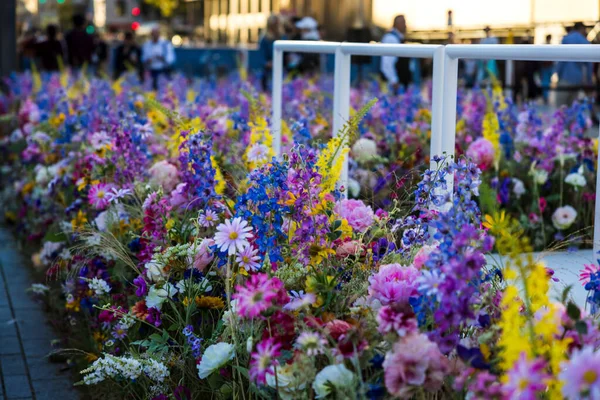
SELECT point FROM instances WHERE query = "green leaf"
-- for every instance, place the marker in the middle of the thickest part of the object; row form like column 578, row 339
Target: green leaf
column 337, row 224
column 581, row 327
column 487, row 199
column 573, row 311
column 565, row 294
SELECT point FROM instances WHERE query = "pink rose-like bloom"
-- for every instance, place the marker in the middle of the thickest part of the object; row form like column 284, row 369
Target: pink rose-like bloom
column 98, row 195
column 349, row 248
column 258, row 294
column 423, row 255
column 400, row 320
column 179, row 195
column 359, row 216
column 526, row 379
column 164, row 174
column 394, row 283
column 204, row 256
column 414, row 362
column 482, row 153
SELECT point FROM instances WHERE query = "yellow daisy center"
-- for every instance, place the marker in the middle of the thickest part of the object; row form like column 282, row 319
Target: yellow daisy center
column 590, row 377
column 233, row 235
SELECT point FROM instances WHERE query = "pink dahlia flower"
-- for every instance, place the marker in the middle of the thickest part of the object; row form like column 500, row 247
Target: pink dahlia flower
column 394, row 283
column 359, row 216
column 263, row 360
column 482, row 153
column 258, row 294
column 164, row 174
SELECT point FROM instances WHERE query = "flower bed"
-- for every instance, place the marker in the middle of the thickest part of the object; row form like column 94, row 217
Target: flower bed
column 188, row 263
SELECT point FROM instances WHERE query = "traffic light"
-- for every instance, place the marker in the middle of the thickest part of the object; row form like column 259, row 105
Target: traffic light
column 42, row 1
column 90, row 29
column 60, row 1
column 135, row 11
column 135, row 25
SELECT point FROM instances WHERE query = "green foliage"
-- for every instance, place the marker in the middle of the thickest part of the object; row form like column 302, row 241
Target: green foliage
column 487, row 199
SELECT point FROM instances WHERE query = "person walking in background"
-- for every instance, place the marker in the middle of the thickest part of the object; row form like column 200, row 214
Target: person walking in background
column 490, row 67
column 396, row 70
column 306, row 63
column 80, row 44
column 572, row 74
column 27, row 48
column 265, row 46
column 128, row 55
column 100, row 54
column 50, row 50
column 158, row 57
column 546, row 73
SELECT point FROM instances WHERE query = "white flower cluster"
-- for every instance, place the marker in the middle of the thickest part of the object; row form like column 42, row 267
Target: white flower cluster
column 124, row 367
column 127, row 321
column 99, row 286
column 39, row 288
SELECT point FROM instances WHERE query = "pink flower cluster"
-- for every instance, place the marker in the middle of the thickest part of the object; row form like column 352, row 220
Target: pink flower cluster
column 359, row 216
column 258, row 294
column 394, row 284
column 482, row 153
column 414, row 362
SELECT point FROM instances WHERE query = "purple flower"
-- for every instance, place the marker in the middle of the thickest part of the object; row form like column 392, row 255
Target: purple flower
column 581, row 374
column 526, row 379
column 141, row 286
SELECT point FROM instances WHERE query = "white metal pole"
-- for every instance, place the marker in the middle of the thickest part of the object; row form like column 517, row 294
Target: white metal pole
column 509, row 74
column 596, row 238
column 341, row 105
column 276, row 100
column 437, row 104
column 449, row 114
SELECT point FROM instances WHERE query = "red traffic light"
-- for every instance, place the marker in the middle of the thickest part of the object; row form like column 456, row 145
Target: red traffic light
column 135, row 25
column 135, row 11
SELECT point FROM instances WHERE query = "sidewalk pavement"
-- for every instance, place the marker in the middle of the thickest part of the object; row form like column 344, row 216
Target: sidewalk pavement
column 25, row 335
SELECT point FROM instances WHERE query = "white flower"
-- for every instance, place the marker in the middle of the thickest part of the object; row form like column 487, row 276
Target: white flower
column 93, row 240
column 99, row 286
column 231, row 313
column 49, row 252
column 564, row 217
column 214, row 358
column 540, row 176
column 333, row 375
column 157, row 296
column 188, row 284
column 364, row 150
column 39, row 288
column 115, row 194
column 100, row 221
column 154, row 270
column 127, row 321
column 155, row 370
column 258, row 153
column 65, row 254
column 289, row 381
column 232, row 236
column 353, row 188
column 576, row 179
column 518, row 187
column 42, row 176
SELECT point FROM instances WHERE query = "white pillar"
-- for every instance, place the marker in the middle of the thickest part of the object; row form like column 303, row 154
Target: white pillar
column 449, row 113
column 509, row 75
column 276, row 101
column 341, row 104
column 596, row 238
column 437, row 104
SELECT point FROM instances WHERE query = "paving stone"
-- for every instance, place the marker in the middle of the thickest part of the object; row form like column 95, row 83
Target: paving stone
column 36, row 347
column 17, row 387
column 12, row 365
column 54, row 389
column 7, row 329
column 10, row 345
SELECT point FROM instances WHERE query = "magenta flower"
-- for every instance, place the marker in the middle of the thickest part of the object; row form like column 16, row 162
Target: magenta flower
column 359, row 216
column 587, row 271
column 414, row 362
column 258, row 294
column 232, row 236
column 248, row 258
column 98, row 196
column 581, row 374
column 263, row 360
column 482, row 153
column 400, row 320
column 526, row 379
column 394, row 283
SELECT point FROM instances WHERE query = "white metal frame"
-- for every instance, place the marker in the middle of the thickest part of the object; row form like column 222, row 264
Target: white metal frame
column 341, row 96
column 453, row 53
column 299, row 46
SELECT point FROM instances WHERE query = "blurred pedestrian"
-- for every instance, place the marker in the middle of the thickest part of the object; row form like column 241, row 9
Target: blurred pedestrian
column 27, row 48
column 546, row 73
column 128, row 56
column 470, row 69
column 100, row 54
column 265, row 46
column 158, row 57
column 306, row 63
column 488, row 68
column 396, row 70
column 572, row 75
column 80, row 44
column 50, row 50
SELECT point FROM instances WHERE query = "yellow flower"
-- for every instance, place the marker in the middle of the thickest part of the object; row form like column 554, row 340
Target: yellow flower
column 330, row 162
column 209, row 302
column 27, row 188
column 170, row 224
column 79, row 220
column 318, row 254
column 219, row 179
column 73, row 306
column 346, row 229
